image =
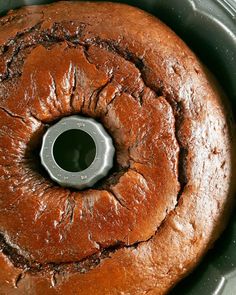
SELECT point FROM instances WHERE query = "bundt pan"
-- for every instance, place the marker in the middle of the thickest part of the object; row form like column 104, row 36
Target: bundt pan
column 209, row 28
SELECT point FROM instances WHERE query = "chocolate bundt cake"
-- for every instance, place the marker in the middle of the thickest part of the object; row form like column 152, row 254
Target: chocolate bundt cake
column 146, row 225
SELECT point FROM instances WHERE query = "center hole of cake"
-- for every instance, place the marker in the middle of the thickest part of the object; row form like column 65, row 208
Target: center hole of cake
column 74, row 150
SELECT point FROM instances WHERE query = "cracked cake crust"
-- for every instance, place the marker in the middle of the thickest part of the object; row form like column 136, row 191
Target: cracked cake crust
column 148, row 224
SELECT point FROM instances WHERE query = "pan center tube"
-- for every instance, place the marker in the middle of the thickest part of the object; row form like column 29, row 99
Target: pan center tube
column 77, row 152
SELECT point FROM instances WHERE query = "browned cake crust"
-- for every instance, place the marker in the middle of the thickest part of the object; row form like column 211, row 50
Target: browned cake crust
column 146, row 226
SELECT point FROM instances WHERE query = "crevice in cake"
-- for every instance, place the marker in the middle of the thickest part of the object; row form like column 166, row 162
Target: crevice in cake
column 18, row 279
column 85, row 48
column 139, row 63
column 70, row 208
column 74, row 86
column 113, row 46
column 182, row 175
column 34, row 116
column 117, row 197
column 9, row 113
column 99, row 91
column 96, row 93
column 178, row 112
column 17, row 259
column 92, row 96
column 113, row 177
column 138, row 172
column 54, row 278
column 109, row 104
column 54, row 86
